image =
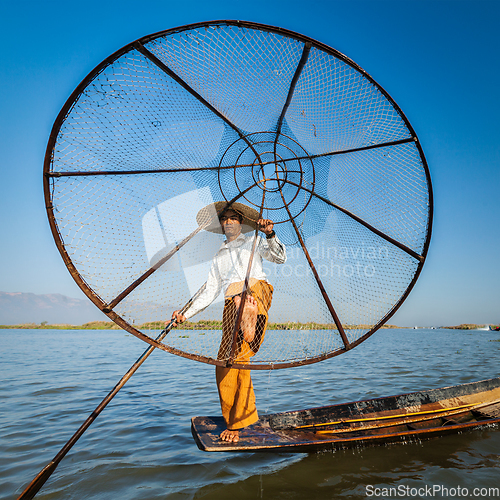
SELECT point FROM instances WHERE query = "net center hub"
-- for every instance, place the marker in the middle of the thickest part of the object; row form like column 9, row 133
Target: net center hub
column 270, row 176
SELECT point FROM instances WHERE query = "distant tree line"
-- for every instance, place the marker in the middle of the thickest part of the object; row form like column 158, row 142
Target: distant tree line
column 187, row 325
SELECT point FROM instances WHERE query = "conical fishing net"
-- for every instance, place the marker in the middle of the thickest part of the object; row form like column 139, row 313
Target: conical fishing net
column 172, row 131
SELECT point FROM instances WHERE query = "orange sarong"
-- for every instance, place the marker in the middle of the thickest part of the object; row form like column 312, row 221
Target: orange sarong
column 237, row 398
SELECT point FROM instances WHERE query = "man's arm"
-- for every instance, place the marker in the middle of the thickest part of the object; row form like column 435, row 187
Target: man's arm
column 272, row 249
column 212, row 289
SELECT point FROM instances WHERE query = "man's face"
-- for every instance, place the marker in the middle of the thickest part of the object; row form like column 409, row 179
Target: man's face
column 230, row 223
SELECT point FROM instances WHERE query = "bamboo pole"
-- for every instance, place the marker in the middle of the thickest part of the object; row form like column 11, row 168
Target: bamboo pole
column 34, row 487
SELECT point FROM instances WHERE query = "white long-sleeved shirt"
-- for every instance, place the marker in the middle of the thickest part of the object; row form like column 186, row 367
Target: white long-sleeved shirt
column 230, row 265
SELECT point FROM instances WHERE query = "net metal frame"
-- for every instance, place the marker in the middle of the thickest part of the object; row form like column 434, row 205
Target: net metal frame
column 283, row 168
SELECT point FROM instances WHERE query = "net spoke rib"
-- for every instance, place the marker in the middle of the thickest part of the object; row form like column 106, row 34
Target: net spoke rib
column 298, row 71
column 194, row 169
column 145, row 52
column 139, row 172
column 355, row 150
column 386, row 237
column 320, row 285
column 111, row 305
column 300, row 66
column 318, row 279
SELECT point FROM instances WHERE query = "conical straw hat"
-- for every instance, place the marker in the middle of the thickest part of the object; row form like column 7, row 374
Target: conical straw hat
column 250, row 216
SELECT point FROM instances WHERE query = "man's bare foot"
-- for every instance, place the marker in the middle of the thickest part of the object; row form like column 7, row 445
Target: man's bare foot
column 230, row 436
column 249, row 318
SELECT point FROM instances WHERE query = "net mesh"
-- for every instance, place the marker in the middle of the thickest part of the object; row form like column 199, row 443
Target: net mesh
column 196, row 116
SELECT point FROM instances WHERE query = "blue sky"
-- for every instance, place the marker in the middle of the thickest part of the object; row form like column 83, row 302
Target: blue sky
column 438, row 59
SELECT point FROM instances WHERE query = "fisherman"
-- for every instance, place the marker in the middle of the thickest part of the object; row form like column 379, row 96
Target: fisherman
column 228, row 273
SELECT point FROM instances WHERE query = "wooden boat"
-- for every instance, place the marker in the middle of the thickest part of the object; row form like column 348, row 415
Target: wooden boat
column 417, row 415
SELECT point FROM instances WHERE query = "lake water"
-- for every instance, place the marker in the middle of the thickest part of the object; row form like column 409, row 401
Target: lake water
column 141, row 446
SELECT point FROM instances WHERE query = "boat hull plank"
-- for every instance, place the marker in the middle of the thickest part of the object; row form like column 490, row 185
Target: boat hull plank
column 417, row 415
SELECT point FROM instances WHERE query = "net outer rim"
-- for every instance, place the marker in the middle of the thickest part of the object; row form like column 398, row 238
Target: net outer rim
column 97, row 300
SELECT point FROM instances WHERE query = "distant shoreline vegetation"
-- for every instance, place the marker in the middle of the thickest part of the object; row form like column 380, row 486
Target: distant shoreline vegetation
column 187, row 325
column 212, row 325
column 467, row 326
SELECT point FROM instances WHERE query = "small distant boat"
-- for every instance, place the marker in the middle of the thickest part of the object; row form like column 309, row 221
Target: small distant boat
column 418, row 415
column 494, row 328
